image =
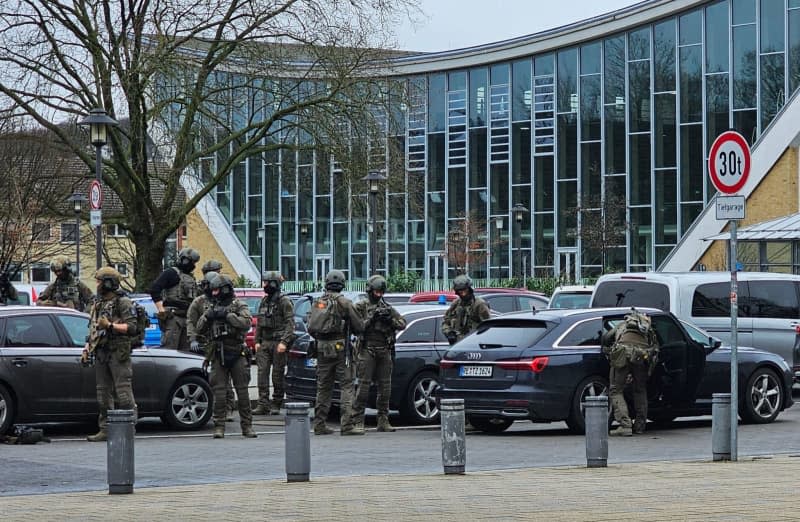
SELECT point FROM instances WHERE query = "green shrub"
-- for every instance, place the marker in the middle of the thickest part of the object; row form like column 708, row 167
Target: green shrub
column 401, row 281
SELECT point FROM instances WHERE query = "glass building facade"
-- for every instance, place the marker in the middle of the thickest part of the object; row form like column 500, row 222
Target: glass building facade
column 604, row 142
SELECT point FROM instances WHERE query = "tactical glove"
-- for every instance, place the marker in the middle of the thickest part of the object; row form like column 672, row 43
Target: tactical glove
column 194, row 346
column 383, row 314
column 452, row 337
column 103, row 323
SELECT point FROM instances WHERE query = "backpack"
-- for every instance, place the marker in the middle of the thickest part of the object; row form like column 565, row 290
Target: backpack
column 325, row 317
column 638, row 323
column 142, row 323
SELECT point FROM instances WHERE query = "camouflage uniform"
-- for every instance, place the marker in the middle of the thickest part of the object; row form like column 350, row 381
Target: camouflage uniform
column 332, row 364
column 174, row 290
column 196, row 310
column 630, row 353
column 464, row 316
column 275, row 325
column 112, row 352
column 67, row 292
column 225, row 325
column 376, row 357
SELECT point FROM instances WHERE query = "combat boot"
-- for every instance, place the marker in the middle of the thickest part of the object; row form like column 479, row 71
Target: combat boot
column 322, row 430
column 622, row 431
column 229, row 416
column 383, row 424
column 219, row 432
column 260, row 410
column 249, row 433
column 274, row 409
column 639, row 426
column 357, row 429
column 100, row 436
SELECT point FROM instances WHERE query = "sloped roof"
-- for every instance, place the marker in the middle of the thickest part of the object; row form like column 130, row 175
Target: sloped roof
column 782, row 228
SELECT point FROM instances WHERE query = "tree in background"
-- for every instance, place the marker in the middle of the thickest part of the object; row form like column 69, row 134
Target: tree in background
column 204, row 83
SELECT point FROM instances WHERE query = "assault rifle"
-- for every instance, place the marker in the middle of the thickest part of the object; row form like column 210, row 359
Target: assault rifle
column 94, row 340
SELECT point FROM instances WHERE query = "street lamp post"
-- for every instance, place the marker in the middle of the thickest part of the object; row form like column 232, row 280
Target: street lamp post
column 304, row 225
column 263, row 248
column 373, row 179
column 98, row 122
column 519, row 211
column 77, row 200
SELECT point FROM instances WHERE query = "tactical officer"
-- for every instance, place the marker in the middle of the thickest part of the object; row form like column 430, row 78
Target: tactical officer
column 331, row 321
column 197, row 342
column 274, row 335
column 111, row 331
column 172, row 292
column 66, row 291
column 225, row 324
column 632, row 350
column 7, row 290
column 376, row 353
column 465, row 313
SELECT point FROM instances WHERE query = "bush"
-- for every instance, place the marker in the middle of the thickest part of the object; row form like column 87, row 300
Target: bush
column 401, row 281
column 242, row 281
column 546, row 285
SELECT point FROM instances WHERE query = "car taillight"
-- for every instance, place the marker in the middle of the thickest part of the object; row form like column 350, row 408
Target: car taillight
column 535, row 365
column 446, row 364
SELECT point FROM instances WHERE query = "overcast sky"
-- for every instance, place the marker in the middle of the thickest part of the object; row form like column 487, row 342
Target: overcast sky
column 453, row 24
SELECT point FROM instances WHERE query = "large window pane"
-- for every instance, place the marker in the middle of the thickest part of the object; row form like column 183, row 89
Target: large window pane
column 567, row 147
column 744, row 67
column 567, row 216
column 478, row 79
column 693, row 170
column 666, row 229
column 717, row 37
column 639, row 93
column 435, row 221
column 543, row 65
column 615, row 139
column 477, row 158
column 544, row 250
column 772, row 38
column 567, row 79
column 690, row 28
column 499, row 189
column 590, row 174
column 744, row 11
column 746, row 124
column 640, row 169
column 664, row 56
column 543, row 196
column 457, row 190
column 772, row 87
column 641, row 237
column 639, row 44
column 436, row 103
column 664, row 131
column 521, row 91
column 794, row 49
column 716, row 106
column 521, row 152
column 691, row 83
column 590, row 58
column 614, row 64
column 436, row 161
column 590, row 107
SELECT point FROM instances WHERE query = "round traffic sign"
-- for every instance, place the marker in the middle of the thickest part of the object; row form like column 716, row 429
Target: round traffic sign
column 95, row 195
column 729, row 162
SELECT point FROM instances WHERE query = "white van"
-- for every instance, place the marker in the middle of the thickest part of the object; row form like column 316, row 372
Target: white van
column 769, row 304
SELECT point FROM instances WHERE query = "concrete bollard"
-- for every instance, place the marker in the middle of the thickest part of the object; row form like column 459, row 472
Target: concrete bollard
column 121, row 427
column 298, row 442
column 454, row 447
column 596, row 420
column 721, row 426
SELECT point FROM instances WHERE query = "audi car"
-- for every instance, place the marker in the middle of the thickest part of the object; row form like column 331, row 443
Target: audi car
column 42, row 379
column 542, row 366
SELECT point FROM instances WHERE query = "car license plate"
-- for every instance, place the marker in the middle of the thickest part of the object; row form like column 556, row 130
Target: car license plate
column 475, row 371
column 311, row 363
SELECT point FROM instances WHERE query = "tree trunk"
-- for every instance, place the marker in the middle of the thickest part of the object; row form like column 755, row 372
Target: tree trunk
column 149, row 261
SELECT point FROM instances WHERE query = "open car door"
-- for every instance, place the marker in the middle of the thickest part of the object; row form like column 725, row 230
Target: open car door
column 680, row 365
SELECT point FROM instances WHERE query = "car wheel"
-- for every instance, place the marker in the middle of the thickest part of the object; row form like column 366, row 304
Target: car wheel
column 420, row 405
column 7, row 410
column 762, row 398
column 490, row 424
column 593, row 386
column 190, row 404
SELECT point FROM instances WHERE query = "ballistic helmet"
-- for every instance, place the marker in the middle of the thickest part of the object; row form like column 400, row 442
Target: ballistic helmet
column 224, row 284
column 376, row 283
column 59, row 263
column 109, row 277
column 334, row 280
column 187, row 258
column 212, row 265
column 462, row 282
column 271, row 280
column 205, row 282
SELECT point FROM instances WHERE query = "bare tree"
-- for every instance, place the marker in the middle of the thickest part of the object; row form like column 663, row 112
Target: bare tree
column 33, row 194
column 467, row 243
column 603, row 227
column 202, row 82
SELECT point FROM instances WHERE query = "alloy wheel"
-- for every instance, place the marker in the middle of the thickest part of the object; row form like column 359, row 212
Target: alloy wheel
column 424, row 402
column 765, row 395
column 190, row 402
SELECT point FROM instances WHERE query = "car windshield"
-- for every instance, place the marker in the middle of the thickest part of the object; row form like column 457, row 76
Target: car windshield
column 640, row 293
column 567, row 300
column 251, row 302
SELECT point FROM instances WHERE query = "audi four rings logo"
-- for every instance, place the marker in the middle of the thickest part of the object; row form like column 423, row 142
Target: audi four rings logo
column 474, row 356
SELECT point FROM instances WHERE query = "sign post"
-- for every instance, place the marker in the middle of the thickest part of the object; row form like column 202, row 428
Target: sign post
column 729, row 168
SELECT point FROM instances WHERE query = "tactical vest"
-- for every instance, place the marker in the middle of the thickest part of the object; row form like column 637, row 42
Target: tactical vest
column 184, row 292
column 233, row 337
column 270, row 317
column 379, row 333
column 466, row 316
column 111, row 308
column 67, row 292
